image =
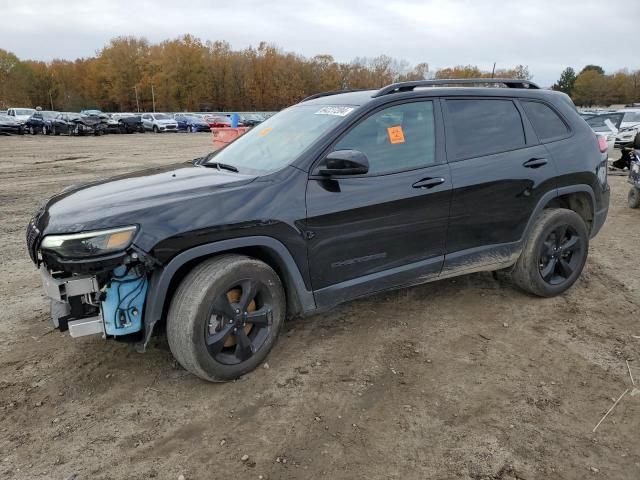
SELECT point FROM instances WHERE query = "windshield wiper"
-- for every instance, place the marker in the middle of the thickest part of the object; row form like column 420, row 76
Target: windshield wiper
column 220, row 166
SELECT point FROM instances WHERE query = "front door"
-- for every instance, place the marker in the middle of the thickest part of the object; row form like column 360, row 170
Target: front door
column 388, row 227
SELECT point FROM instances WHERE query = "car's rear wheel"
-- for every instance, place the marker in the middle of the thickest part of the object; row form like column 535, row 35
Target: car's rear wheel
column 225, row 317
column 554, row 253
column 633, row 198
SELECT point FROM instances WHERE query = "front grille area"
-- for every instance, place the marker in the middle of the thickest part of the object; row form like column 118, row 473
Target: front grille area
column 33, row 238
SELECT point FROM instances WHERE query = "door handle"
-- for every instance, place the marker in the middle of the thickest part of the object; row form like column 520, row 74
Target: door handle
column 428, row 182
column 535, row 163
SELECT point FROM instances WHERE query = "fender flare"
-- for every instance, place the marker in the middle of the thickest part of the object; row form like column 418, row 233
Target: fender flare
column 555, row 193
column 161, row 278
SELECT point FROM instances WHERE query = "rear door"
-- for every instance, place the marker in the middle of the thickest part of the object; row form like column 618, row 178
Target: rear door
column 388, row 227
column 499, row 172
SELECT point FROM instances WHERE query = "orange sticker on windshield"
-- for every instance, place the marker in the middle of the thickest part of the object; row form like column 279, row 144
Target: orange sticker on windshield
column 396, row 135
column 265, row 132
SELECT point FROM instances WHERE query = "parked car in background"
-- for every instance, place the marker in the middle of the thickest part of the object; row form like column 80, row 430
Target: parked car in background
column 159, row 122
column 191, row 122
column 72, row 123
column 219, row 121
column 128, row 122
column 251, row 119
column 629, row 127
column 606, row 125
column 20, row 113
column 40, row 122
column 9, row 125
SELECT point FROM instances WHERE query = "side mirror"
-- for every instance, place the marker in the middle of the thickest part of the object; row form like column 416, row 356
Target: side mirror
column 344, row 162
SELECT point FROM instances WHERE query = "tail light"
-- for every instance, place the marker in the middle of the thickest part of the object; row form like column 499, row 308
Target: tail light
column 602, row 143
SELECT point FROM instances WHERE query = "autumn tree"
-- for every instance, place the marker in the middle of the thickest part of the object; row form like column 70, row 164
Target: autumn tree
column 566, row 81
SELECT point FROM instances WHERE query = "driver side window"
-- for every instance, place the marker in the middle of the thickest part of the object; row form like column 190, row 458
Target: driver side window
column 397, row 138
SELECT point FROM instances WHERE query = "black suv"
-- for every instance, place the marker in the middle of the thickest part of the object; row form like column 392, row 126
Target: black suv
column 342, row 195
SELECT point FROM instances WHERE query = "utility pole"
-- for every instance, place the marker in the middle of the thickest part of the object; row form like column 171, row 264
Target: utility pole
column 493, row 72
column 153, row 99
column 135, row 88
column 51, row 99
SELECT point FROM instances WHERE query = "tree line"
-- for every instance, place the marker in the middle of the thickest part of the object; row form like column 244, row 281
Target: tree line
column 187, row 74
column 593, row 87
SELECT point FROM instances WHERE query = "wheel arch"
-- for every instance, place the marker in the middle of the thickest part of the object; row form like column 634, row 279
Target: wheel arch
column 579, row 198
column 165, row 280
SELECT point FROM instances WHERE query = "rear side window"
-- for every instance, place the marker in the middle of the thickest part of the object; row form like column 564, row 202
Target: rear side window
column 482, row 127
column 547, row 124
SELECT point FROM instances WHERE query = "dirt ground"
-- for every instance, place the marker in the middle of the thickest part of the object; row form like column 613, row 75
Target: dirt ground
column 465, row 378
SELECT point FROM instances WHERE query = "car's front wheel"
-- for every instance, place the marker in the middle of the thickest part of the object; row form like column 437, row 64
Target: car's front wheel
column 155, row 129
column 225, row 317
column 554, row 253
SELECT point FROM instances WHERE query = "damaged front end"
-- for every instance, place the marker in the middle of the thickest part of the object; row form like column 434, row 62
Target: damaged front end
column 97, row 280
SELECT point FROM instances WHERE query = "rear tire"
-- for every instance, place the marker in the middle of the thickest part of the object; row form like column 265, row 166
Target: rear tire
column 203, row 318
column 633, row 198
column 554, row 253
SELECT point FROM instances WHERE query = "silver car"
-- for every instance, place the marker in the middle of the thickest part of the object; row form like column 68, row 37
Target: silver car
column 159, row 122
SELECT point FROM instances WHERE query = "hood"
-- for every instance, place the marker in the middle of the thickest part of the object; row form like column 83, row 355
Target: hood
column 8, row 121
column 133, row 199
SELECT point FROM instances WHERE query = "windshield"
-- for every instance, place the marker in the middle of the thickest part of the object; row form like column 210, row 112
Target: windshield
column 162, row 116
column 631, row 117
column 279, row 140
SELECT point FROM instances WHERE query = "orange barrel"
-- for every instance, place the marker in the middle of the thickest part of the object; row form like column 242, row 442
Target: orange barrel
column 224, row 135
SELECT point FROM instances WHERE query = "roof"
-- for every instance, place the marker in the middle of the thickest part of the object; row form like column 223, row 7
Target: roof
column 363, row 97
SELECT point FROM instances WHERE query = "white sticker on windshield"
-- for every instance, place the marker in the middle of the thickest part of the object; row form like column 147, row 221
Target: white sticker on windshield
column 339, row 111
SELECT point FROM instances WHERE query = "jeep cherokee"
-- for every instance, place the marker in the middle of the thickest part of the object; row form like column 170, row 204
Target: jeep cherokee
column 340, row 196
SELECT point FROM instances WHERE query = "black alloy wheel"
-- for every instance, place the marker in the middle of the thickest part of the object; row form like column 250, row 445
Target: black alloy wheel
column 561, row 254
column 240, row 321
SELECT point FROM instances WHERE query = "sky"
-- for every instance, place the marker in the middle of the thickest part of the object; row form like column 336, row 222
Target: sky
column 546, row 35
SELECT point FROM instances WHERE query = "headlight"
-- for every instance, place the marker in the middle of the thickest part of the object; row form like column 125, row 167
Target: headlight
column 89, row 244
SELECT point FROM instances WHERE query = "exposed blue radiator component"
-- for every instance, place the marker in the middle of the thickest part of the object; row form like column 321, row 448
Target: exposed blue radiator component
column 123, row 305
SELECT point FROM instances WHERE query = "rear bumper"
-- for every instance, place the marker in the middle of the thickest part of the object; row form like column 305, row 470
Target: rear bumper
column 600, row 215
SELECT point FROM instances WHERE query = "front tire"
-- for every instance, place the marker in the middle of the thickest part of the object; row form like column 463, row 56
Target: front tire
column 633, row 198
column 155, row 129
column 225, row 317
column 554, row 254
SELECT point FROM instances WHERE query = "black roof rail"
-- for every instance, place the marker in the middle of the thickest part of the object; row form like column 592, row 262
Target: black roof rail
column 334, row 92
column 409, row 86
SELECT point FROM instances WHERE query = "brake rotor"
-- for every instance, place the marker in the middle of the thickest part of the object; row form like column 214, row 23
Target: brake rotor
column 233, row 296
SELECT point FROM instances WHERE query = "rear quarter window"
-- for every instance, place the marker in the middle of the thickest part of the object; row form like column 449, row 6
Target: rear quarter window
column 477, row 127
column 546, row 122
